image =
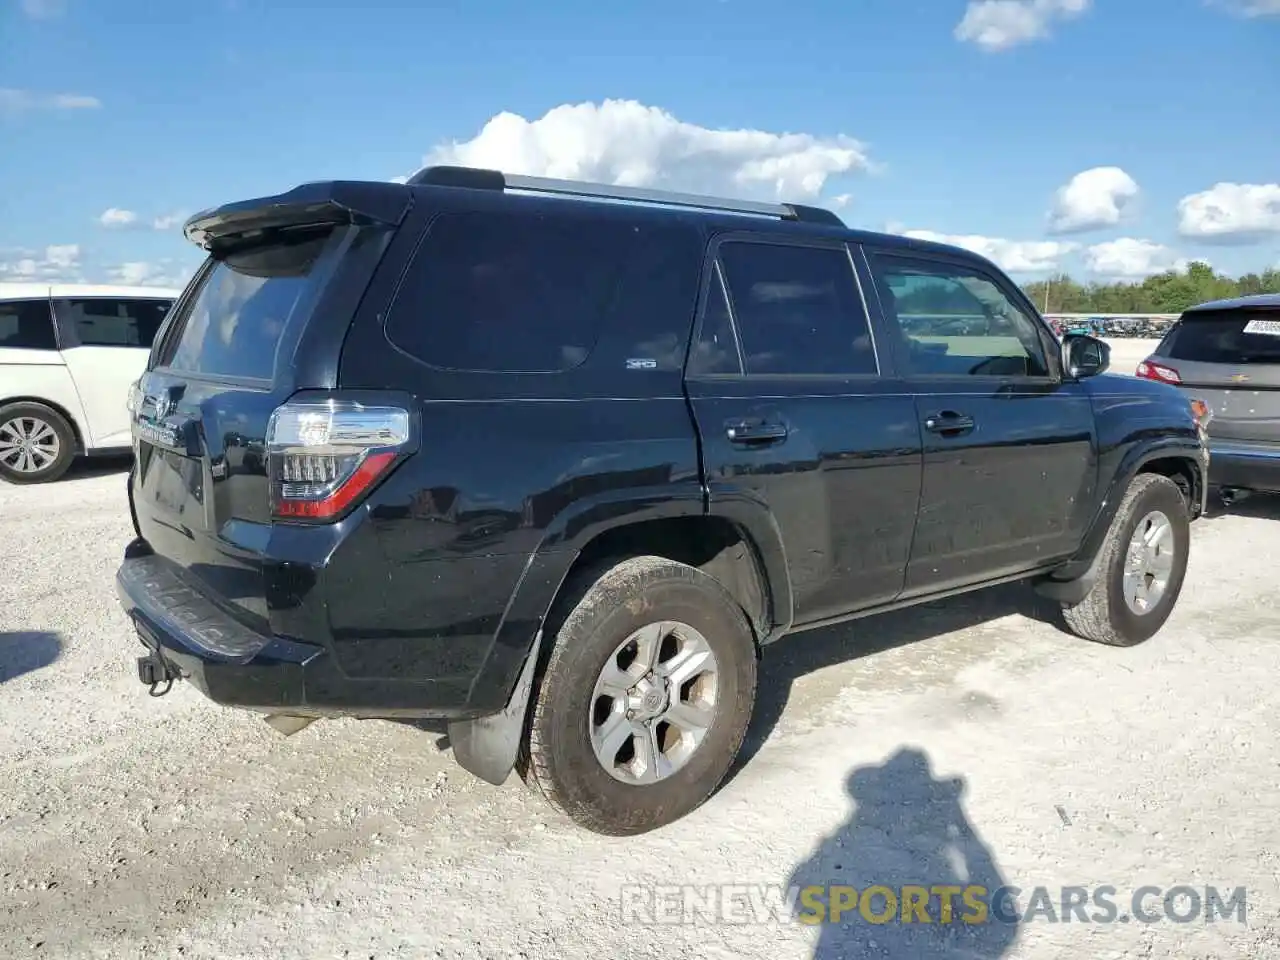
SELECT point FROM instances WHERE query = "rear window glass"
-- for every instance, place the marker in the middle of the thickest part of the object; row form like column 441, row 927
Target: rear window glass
column 234, row 324
column 1226, row 336
column 508, row 292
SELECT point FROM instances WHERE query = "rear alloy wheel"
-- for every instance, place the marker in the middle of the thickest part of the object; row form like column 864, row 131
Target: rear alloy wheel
column 653, row 702
column 1142, row 566
column 36, row 443
column 645, row 698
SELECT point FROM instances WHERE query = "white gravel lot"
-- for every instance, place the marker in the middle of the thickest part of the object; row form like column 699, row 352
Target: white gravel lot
column 138, row 827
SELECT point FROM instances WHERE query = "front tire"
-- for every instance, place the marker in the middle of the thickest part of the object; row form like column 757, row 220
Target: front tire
column 645, row 698
column 1141, row 568
column 37, row 444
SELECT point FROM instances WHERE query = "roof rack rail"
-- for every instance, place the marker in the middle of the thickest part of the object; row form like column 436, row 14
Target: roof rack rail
column 476, row 178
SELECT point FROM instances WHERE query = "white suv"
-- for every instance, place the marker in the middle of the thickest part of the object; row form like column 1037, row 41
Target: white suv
column 68, row 356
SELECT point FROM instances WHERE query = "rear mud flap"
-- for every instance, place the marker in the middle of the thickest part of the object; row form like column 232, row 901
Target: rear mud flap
column 488, row 746
column 1070, row 592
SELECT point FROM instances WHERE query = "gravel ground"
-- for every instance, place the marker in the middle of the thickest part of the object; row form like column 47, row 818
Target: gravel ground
column 962, row 740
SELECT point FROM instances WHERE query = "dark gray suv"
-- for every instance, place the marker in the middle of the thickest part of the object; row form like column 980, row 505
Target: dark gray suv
column 1227, row 353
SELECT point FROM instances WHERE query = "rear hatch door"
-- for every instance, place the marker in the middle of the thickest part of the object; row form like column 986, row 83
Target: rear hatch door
column 1231, row 359
column 264, row 318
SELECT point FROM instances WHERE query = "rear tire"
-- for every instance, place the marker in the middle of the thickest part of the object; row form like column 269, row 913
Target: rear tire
column 37, row 445
column 1111, row 613
column 704, row 672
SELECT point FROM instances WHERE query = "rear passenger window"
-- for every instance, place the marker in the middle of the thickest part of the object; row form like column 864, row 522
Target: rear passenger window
column 103, row 322
column 27, row 325
column 797, row 310
column 508, row 292
column 954, row 320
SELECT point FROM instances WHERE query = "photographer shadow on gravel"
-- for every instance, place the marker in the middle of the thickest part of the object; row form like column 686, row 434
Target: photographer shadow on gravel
column 908, row 830
column 23, row 651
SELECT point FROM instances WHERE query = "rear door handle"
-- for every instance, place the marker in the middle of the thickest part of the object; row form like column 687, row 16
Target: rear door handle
column 949, row 423
column 755, row 431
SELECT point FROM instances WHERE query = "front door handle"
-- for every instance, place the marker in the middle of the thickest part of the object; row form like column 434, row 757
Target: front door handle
column 755, row 431
column 949, row 423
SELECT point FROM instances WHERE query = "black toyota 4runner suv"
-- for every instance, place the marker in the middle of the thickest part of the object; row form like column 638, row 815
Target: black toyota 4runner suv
column 552, row 461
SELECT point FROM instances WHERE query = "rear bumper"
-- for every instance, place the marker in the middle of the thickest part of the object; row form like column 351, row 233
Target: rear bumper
column 1247, row 466
column 235, row 666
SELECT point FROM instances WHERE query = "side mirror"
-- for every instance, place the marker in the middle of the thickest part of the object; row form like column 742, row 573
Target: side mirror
column 1084, row 356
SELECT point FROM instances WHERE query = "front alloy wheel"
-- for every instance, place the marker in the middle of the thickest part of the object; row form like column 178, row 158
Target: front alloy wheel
column 1140, row 568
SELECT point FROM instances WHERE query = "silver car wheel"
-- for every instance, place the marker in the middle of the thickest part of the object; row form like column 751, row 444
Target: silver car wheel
column 1148, row 562
column 653, row 702
column 28, row 444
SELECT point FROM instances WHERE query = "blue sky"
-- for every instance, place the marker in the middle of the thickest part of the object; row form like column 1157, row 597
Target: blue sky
column 944, row 117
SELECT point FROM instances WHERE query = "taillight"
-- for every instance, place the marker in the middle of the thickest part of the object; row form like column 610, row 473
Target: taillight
column 1159, row 372
column 324, row 457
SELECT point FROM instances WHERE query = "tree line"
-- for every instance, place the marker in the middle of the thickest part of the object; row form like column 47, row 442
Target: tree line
column 1170, row 292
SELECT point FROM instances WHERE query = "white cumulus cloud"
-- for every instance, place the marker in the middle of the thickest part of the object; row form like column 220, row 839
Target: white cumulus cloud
column 14, row 101
column 1092, row 199
column 169, row 221
column 63, row 255
column 144, row 273
column 73, row 101
column 627, row 143
column 141, row 273
column 1015, row 256
column 134, row 272
column 1000, row 24
column 1129, row 258
column 117, row 218
column 55, row 263
column 1251, row 8
column 65, row 263
column 1231, row 212
column 44, row 9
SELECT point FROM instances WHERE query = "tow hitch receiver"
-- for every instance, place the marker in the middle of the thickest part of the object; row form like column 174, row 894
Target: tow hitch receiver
column 153, row 671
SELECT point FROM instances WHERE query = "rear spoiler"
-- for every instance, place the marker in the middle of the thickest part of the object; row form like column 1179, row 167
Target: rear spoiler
column 331, row 201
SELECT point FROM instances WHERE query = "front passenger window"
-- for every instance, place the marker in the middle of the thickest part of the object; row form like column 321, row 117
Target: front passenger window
column 954, row 320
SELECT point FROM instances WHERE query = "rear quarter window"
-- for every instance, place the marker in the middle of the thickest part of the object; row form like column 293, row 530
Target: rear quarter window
column 27, row 325
column 512, row 292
